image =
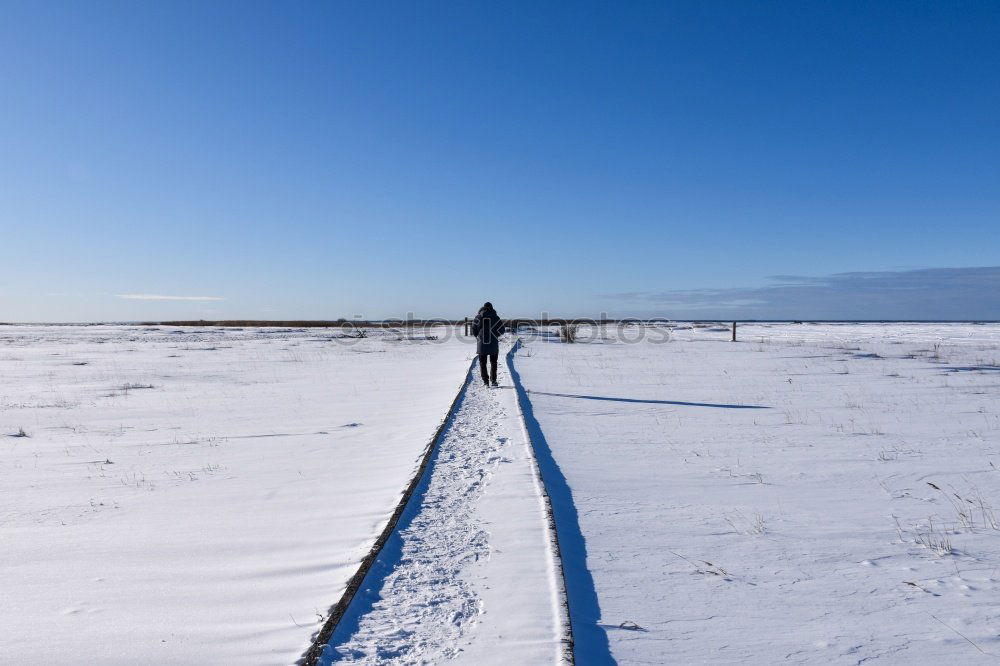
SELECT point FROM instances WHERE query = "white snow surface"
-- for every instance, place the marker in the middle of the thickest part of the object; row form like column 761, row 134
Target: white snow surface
column 199, row 495
column 469, row 575
column 810, row 494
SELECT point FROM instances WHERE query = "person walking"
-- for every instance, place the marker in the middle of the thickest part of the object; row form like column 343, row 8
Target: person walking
column 487, row 328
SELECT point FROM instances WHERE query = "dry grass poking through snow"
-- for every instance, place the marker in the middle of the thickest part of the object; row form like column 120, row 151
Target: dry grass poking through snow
column 851, row 518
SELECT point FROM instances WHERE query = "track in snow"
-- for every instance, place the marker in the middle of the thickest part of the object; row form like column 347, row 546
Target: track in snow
column 464, row 536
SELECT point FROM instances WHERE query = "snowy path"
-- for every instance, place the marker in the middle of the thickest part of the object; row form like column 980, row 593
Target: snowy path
column 469, row 575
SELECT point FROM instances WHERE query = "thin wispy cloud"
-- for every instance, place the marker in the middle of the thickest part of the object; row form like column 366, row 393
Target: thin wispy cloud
column 161, row 297
column 931, row 293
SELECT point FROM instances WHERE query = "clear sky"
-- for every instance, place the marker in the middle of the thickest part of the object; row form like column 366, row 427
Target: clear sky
column 326, row 159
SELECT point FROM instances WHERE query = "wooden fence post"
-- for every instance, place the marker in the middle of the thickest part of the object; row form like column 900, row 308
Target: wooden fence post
column 466, row 326
column 734, row 331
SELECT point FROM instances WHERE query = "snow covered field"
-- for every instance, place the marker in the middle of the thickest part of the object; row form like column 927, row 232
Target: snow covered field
column 810, row 494
column 188, row 496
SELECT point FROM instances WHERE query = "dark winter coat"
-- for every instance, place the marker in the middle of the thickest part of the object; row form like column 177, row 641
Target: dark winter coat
column 488, row 327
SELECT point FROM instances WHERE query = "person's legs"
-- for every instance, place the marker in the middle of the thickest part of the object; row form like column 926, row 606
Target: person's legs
column 493, row 367
column 482, row 368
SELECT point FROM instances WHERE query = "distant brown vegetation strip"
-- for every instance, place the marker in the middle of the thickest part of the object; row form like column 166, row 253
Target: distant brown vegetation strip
column 388, row 323
column 340, row 323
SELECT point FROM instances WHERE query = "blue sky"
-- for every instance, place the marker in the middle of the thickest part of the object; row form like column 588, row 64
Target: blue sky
column 318, row 160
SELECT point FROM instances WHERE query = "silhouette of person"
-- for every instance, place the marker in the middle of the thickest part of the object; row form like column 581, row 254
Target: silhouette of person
column 487, row 328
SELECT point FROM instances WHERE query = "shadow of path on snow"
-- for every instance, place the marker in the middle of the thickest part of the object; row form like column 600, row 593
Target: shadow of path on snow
column 590, row 640
column 650, row 402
